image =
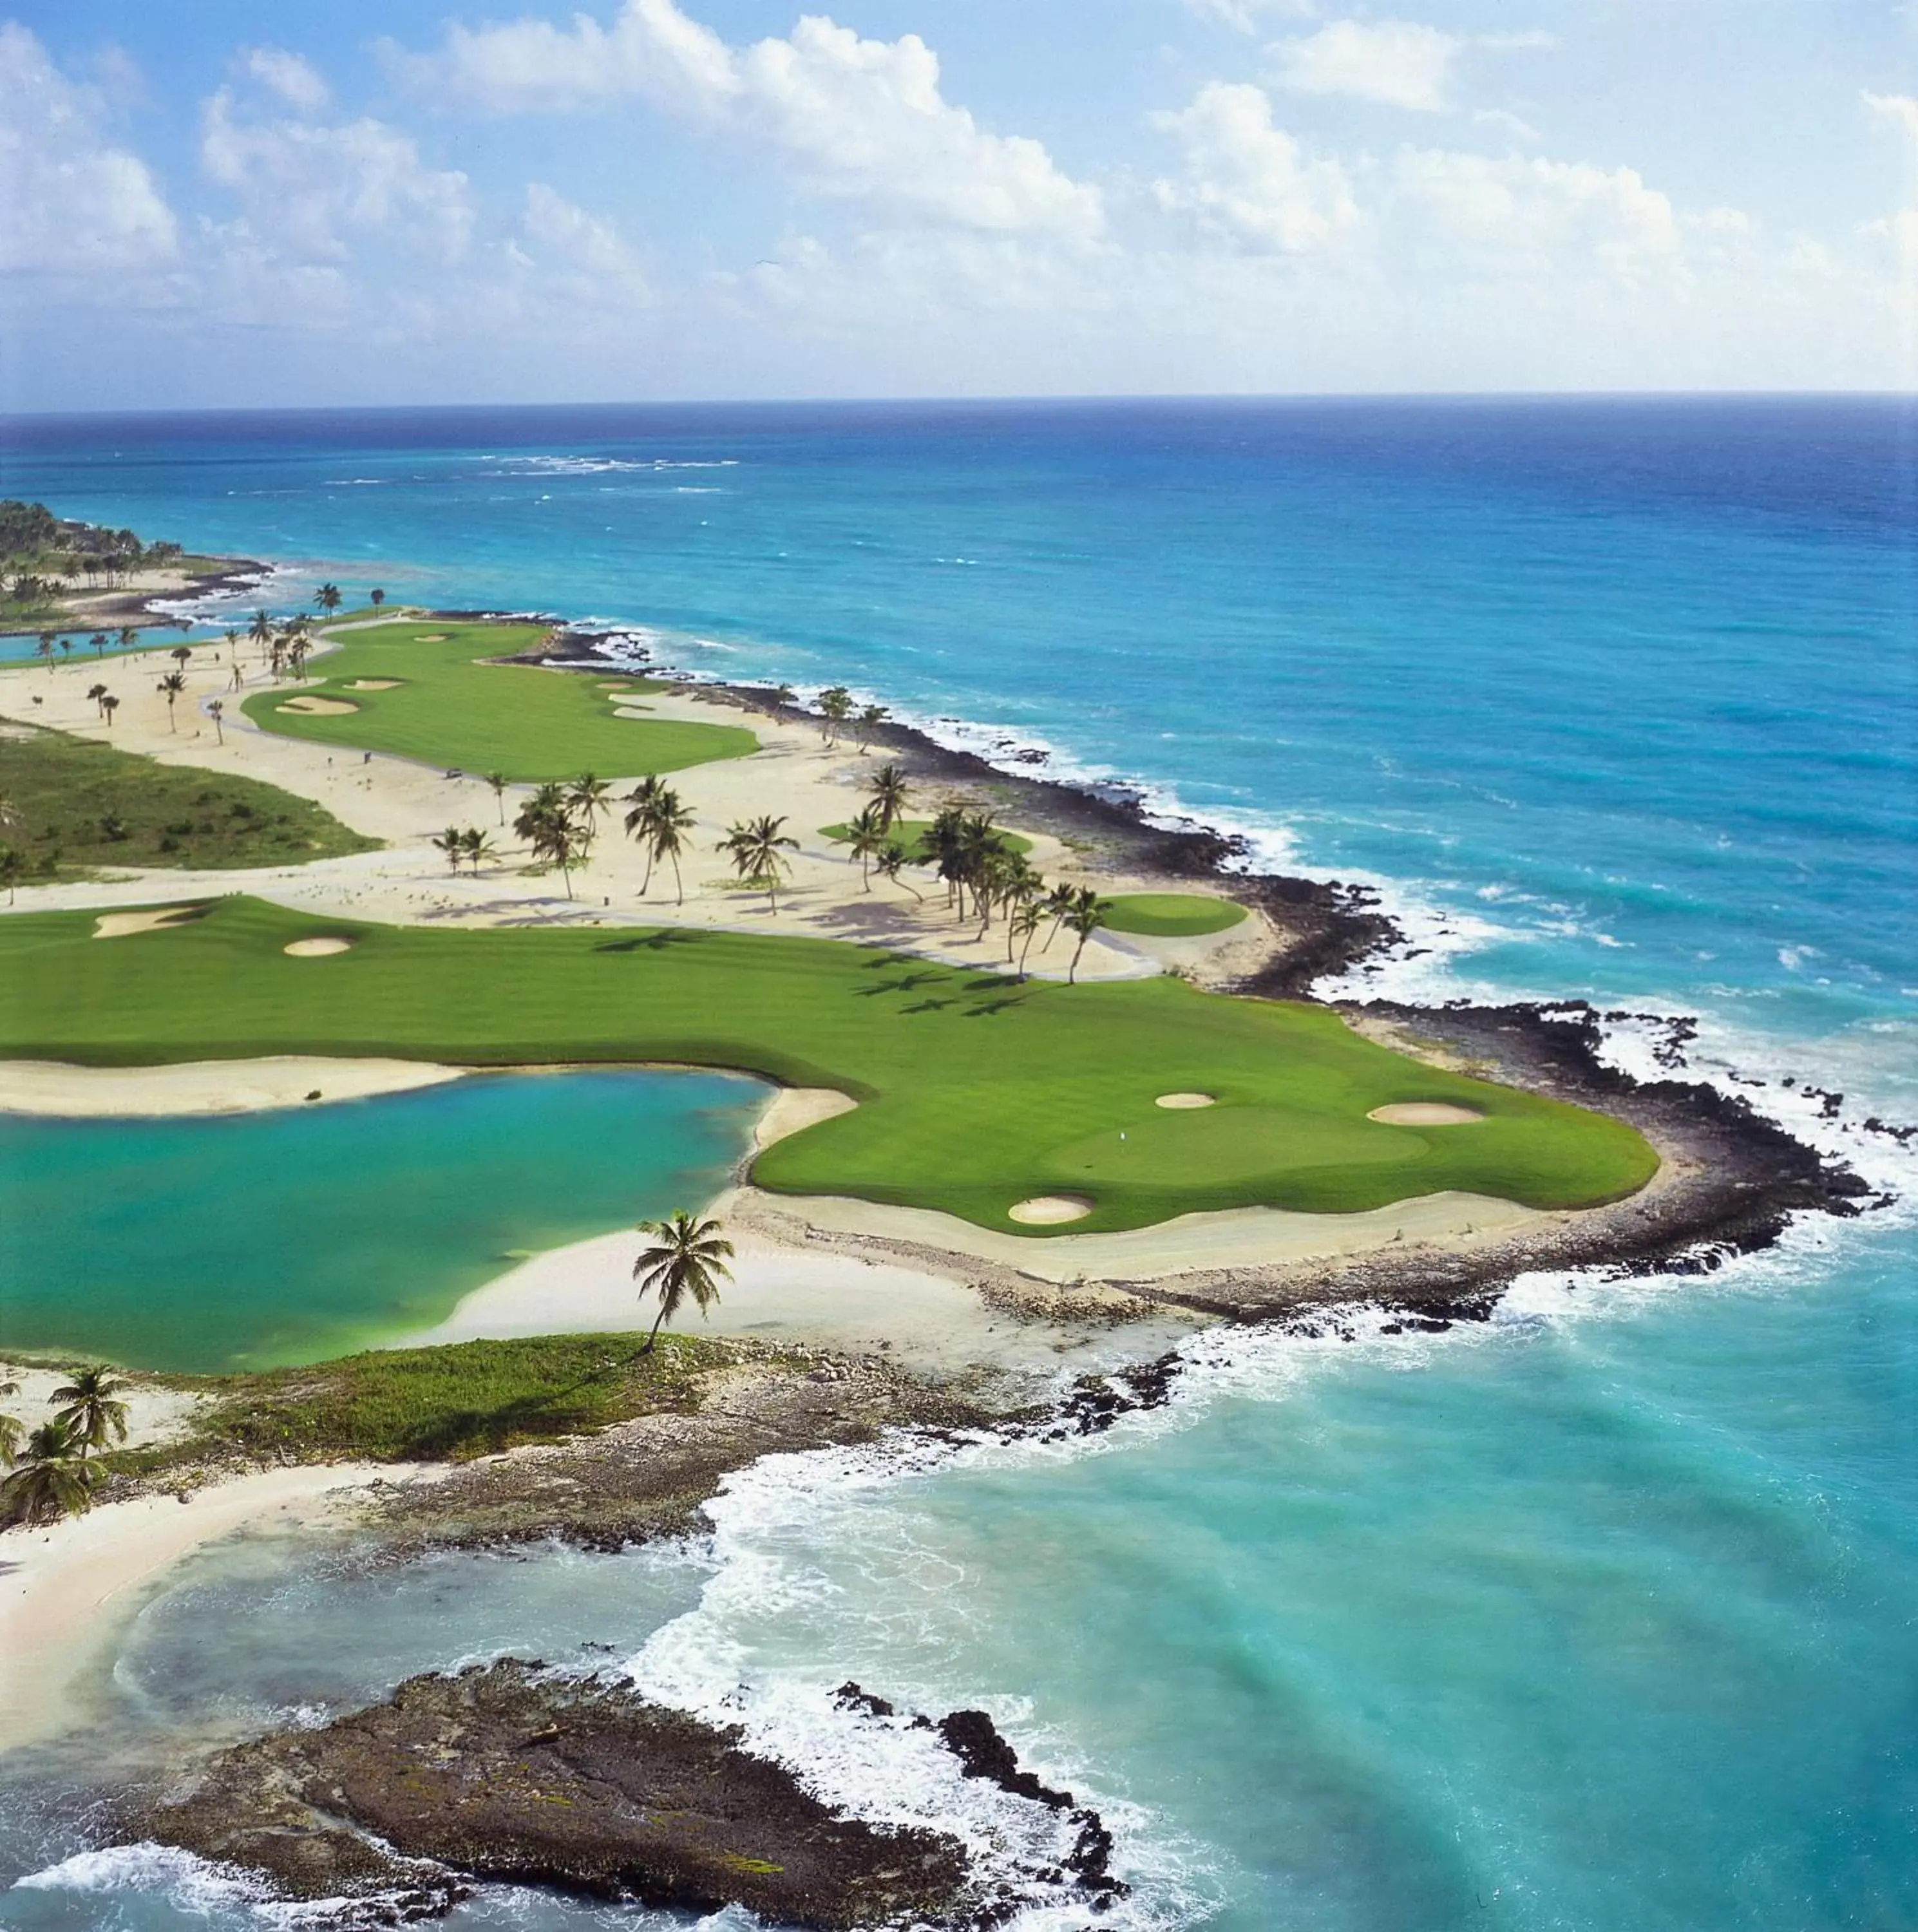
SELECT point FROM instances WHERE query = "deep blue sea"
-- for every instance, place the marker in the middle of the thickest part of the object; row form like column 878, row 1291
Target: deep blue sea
column 1599, row 1616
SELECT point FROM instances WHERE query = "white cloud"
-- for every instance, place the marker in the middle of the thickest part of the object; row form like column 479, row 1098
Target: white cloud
column 1399, row 63
column 1509, row 125
column 297, row 82
column 1248, row 183
column 1245, row 15
column 1523, row 211
column 577, row 258
column 71, row 205
column 858, row 119
column 1897, row 110
column 307, row 192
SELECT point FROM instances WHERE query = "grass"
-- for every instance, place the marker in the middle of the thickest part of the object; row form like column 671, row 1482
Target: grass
column 446, row 1404
column 76, row 802
column 1172, row 915
column 909, row 836
column 975, row 1092
column 451, row 709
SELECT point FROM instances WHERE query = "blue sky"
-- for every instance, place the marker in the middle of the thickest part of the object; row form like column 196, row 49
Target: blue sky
column 204, row 202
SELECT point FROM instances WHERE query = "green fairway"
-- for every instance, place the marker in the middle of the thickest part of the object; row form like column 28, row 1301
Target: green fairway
column 77, row 802
column 421, row 690
column 1172, row 915
column 975, row 1093
column 909, row 836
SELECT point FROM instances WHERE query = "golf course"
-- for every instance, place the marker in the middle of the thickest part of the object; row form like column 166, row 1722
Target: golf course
column 426, row 691
column 1134, row 1101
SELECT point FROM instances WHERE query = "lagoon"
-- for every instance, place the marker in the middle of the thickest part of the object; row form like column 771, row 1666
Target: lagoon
column 249, row 1241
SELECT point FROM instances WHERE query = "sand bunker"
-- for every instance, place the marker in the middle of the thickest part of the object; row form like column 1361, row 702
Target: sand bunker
column 1048, row 1210
column 319, row 707
column 431, row 637
column 376, row 684
column 1180, row 1101
column 121, row 925
column 1425, row 1113
column 318, row 949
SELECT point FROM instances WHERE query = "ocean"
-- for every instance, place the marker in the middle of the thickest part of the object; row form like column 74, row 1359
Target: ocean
column 1597, row 1615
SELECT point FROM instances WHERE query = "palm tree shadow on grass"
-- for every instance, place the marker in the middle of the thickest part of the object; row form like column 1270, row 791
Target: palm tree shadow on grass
column 651, row 942
column 550, row 1412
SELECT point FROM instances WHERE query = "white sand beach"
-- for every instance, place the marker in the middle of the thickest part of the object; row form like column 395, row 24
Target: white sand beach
column 205, row 1086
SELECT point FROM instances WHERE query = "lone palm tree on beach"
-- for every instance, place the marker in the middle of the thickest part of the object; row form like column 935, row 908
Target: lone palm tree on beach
column 171, row 685
column 497, row 780
column 217, row 712
column 94, row 1416
column 758, row 848
column 688, row 1257
column 109, row 704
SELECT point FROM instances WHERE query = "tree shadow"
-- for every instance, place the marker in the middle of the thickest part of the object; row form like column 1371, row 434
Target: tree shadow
column 652, row 942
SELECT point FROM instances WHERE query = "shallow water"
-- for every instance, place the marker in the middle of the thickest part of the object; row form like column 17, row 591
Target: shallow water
column 245, row 1241
column 1597, row 1618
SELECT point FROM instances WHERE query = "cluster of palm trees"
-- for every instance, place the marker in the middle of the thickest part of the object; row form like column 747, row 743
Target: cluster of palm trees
column 560, row 822
column 471, row 847
column 659, row 819
column 104, row 702
column 51, row 1471
column 838, row 708
column 283, row 647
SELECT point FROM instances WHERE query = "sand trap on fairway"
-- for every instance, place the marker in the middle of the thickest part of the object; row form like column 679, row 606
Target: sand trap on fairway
column 430, row 637
column 1047, row 1210
column 1180, row 1101
column 1425, row 1113
column 319, row 707
column 121, row 925
column 318, row 949
column 375, row 684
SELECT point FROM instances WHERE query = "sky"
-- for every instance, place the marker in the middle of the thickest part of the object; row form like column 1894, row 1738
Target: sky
column 205, row 203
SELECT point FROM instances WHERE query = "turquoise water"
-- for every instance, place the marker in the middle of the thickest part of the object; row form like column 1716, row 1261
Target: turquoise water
column 1596, row 1617
column 248, row 1241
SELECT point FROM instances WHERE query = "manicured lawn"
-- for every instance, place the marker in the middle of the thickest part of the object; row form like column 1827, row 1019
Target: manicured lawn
column 909, row 836
column 77, row 802
column 1172, row 915
column 446, row 707
column 975, row 1092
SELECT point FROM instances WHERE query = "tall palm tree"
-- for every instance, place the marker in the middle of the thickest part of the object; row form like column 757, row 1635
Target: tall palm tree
column 477, row 848
column 1058, row 902
column 51, row 1479
column 96, row 692
column 758, row 848
column 12, row 870
column 546, row 825
column 668, row 822
column 639, row 820
column 835, row 708
column 1027, row 920
column 181, row 655
column 327, row 598
column 93, row 1415
column 870, row 719
column 11, row 1428
column 171, row 685
column 377, row 596
column 109, row 704
column 689, row 1259
column 1089, row 914
column 497, row 780
column 452, row 842
column 868, row 837
column 217, row 712
column 261, row 632
column 586, row 799
column 888, row 790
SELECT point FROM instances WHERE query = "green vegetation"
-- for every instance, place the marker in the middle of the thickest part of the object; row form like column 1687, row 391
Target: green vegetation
column 976, row 1091
column 43, row 558
column 69, row 802
column 1171, row 915
column 445, row 705
column 439, row 1405
column 912, row 836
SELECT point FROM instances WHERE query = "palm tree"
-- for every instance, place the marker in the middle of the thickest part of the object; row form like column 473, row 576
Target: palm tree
column 261, row 632
column 66, row 650
column 327, row 598
column 96, row 692
column 890, row 864
column 834, row 707
column 93, row 1415
column 452, row 842
column 51, row 1481
column 109, row 704
column 45, row 647
column 171, row 684
column 668, row 822
column 1089, row 914
column 869, row 837
column 181, row 655
column 1058, row 902
column 689, row 1259
column 497, row 780
column 887, row 790
column 546, row 825
column 870, row 719
column 377, row 596
column 1023, row 924
column 217, row 712
column 757, row 847
column 478, row 848
column 643, row 798
column 12, row 869
column 11, row 1429
column 585, row 799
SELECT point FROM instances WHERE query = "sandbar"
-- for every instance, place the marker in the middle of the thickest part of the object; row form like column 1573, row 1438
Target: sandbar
column 205, row 1086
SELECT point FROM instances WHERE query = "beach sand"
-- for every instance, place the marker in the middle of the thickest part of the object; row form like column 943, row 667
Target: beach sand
column 68, row 1590
column 204, row 1086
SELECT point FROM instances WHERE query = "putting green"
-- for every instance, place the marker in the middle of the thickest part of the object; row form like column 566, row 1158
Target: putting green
column 422, row 691
column 909, row 836
column 975, row 1093
column 1172, row 915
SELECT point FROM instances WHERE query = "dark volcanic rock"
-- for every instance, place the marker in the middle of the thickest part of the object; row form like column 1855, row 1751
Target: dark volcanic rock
column 508, row 1773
